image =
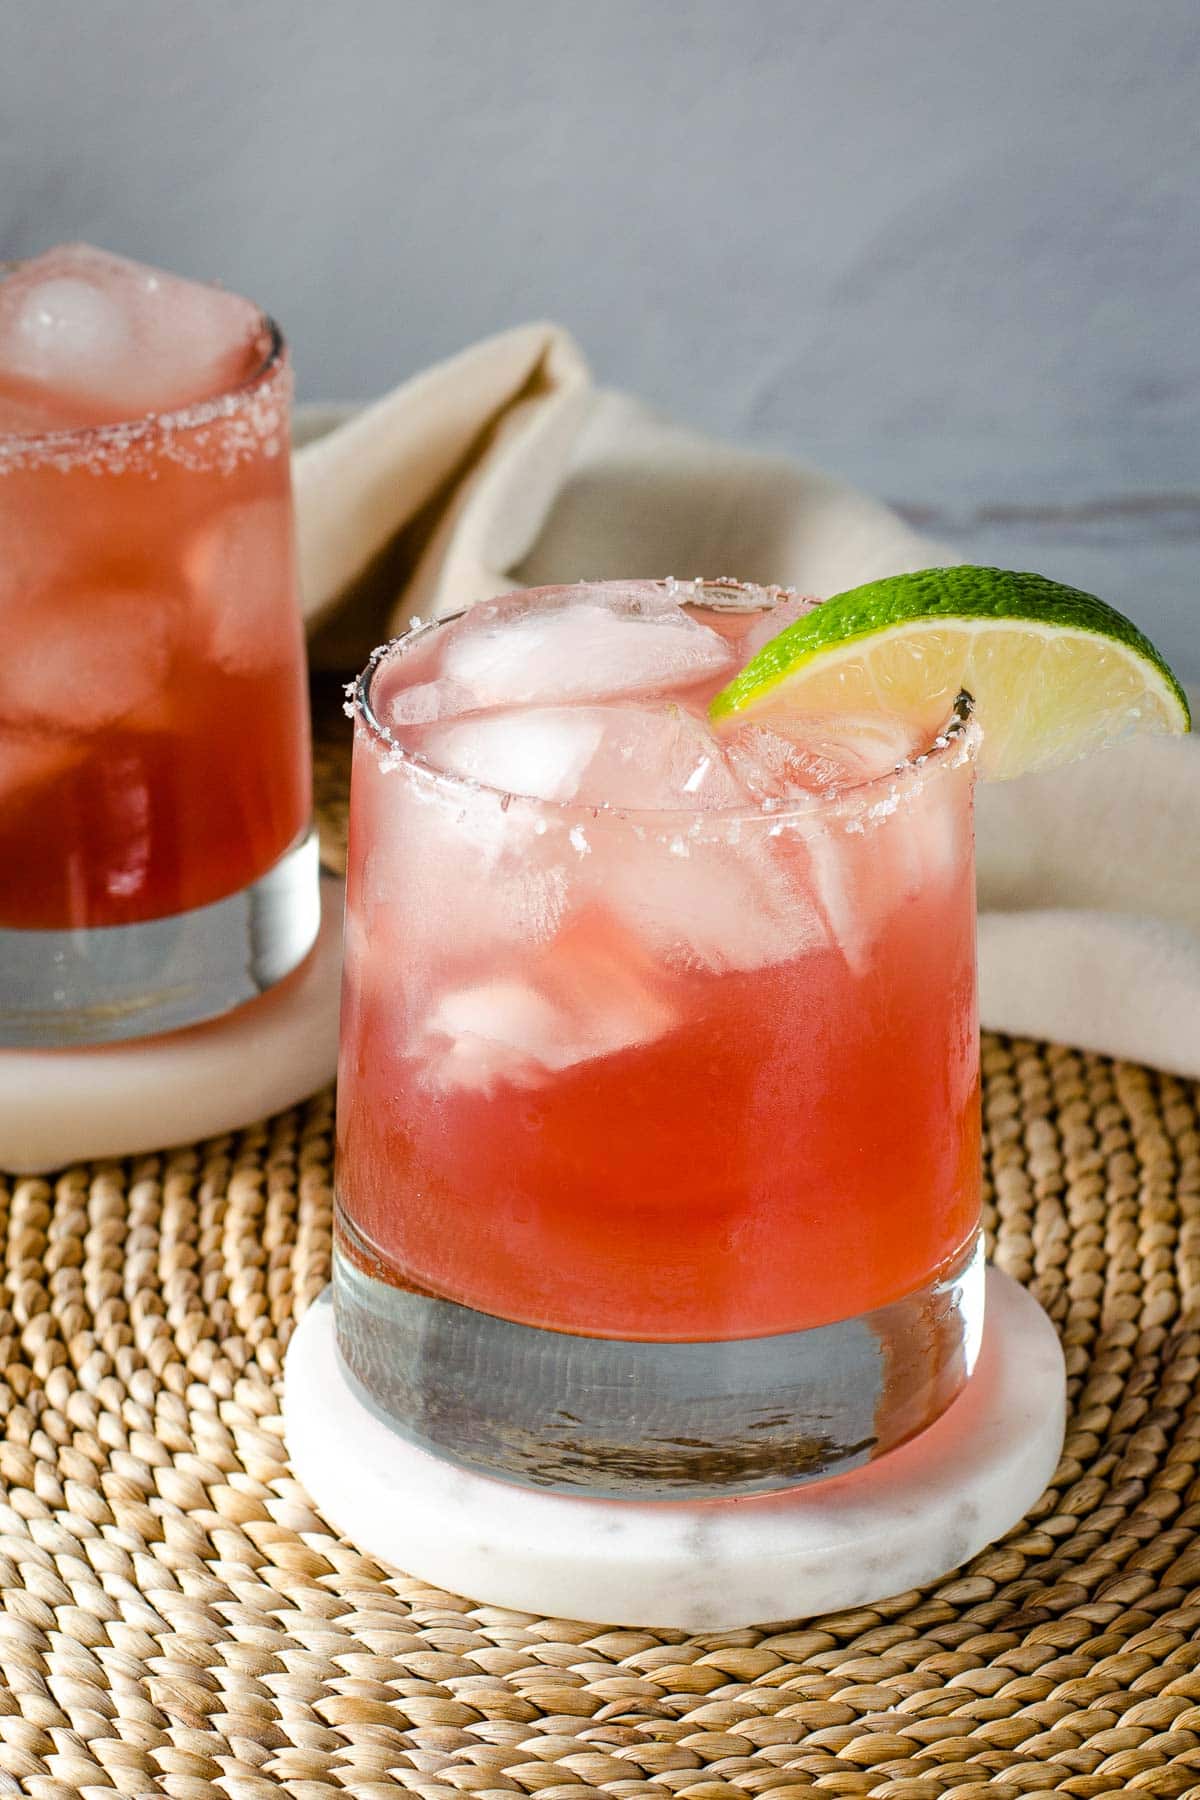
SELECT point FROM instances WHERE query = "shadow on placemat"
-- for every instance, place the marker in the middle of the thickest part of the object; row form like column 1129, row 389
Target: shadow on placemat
column 178, row 1620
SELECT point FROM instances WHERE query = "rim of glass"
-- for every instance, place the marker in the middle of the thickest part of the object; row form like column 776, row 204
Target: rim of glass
column 183, row 418
column 952, row 745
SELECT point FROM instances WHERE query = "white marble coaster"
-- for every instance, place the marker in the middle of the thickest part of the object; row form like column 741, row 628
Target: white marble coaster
column 706, row 1565
column 64, row 1106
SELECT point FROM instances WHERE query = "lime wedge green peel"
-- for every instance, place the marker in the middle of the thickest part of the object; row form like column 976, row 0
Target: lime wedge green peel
column 1054, row 673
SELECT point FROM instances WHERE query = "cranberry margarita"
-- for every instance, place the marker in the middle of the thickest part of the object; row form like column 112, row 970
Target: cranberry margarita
column 659, row 1094
column 155, row 780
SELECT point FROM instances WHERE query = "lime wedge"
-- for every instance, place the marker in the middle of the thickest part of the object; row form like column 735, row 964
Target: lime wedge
column 1054, row 673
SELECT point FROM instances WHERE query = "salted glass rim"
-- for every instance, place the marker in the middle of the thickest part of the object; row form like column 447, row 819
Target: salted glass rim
column 206, row 411
column 954, row 744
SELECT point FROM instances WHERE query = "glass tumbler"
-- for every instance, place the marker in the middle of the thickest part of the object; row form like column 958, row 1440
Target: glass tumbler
column 718, row 1232
column 157, row 864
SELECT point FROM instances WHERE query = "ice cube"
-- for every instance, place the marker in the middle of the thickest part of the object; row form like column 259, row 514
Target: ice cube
column 453, row 881
column 241, row 569
column 538, row 751
column 196, row 340
column 91, row 657
column 785, row 758
column 767, row 625
column 860, row 873
column 656, row 757
column 860, row 865
column 483, row 1035
column 103, row 339
column 427, row 702
column 583, row 650
column 712, row 901
column 849, row 877
column 853, row 909
column 773, row 767
column 589, row 995
column 625, row 756
column 715, row 904
column 930, row 834
column 61, row 327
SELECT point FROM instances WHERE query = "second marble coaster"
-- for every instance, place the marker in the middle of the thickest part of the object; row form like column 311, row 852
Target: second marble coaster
column 704, row 1565
column 74, row 1105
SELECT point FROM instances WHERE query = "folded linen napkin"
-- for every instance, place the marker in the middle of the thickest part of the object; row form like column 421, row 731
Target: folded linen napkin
column 505, row 467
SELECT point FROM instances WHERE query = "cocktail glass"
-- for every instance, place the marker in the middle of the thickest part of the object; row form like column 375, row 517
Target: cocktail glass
column 157, row 864
column 658, row 1129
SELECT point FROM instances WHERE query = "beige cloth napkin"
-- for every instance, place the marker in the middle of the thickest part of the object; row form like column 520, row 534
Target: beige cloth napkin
column 505, row 467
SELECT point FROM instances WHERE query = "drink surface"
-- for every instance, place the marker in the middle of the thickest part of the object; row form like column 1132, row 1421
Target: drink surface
column 650, row 1033
column 153, row 705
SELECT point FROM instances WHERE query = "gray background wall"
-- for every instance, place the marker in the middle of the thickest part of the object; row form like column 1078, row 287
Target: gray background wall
column 947, row 247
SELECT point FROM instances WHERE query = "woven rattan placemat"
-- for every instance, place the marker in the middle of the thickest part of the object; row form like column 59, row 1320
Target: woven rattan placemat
column 176, row 1619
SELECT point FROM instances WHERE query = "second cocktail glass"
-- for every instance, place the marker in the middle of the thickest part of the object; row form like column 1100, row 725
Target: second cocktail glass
column 157, row 865
column 658, row 1125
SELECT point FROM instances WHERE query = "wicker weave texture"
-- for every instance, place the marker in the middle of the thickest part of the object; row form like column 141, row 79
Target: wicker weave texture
column 177, row 1620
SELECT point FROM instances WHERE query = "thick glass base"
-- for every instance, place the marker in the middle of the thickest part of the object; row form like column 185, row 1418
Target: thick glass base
column 618, row 1419
column 902, row 1521
column 108, row 983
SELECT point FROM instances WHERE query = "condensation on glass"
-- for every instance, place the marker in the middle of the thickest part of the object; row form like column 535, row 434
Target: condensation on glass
column 658, row 1132
column 157, row 863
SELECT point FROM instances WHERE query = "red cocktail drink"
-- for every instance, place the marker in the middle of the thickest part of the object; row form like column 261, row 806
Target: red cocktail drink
column 658, row 1103
column 154, row 755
